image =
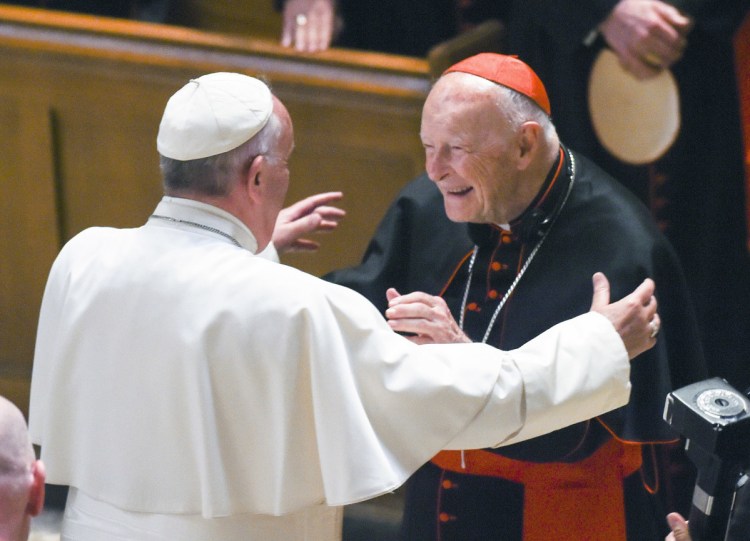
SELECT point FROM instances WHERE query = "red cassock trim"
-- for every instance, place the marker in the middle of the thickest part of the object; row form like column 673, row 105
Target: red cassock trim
column 575, row 501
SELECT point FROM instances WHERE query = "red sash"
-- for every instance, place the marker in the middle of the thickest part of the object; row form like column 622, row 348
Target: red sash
column 578, row 501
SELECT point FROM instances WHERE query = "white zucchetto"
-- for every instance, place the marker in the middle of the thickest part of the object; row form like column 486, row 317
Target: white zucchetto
column 213, row 114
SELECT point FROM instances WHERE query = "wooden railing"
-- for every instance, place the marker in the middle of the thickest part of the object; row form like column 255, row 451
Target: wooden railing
column 80, row 103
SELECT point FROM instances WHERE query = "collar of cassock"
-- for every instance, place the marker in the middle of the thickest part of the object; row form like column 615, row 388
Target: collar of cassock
column 531, row 225
column 186, row 213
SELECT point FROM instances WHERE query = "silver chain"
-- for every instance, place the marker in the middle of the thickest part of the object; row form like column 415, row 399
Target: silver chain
column 523, row 269
column 200, row 226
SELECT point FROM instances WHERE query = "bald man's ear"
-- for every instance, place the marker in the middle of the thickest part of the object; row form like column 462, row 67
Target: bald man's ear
column 36, row 491
column 528, row 141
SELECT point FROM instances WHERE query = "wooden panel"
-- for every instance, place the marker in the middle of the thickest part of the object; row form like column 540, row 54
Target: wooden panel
column 29, row 240
column 80, row 102
column 256, row 18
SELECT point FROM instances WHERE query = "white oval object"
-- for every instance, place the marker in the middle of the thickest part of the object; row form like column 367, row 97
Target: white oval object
column 636, row 120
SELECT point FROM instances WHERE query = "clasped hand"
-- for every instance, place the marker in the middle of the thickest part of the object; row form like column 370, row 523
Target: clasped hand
column 426, row 318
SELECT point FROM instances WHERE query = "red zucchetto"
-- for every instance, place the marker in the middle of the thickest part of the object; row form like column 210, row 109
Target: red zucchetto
column 508, row 71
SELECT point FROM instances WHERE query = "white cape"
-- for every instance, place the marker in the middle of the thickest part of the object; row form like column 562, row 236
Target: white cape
column 177, row 373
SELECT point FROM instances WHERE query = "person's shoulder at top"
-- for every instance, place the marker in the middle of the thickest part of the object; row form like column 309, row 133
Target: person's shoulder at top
column 600, row 190
column 93, row 239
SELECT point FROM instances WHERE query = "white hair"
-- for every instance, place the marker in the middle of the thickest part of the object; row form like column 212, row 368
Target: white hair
column 519, row 108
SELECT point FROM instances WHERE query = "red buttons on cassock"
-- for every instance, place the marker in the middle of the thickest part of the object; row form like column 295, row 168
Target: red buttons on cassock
column 496, row 266
column 445, row 517
column 492, row 294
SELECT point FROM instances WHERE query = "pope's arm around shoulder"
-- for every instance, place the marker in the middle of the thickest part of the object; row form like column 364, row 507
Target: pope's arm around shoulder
column 281, row 392
column 576, row 370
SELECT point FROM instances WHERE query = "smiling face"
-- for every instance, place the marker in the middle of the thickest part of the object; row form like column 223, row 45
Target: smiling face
column 472, row 152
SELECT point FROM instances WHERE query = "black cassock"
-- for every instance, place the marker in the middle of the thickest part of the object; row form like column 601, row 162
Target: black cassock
column 599, row 227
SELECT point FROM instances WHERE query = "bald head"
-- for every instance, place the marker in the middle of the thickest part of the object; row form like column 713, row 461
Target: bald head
column 514, row 107
column 21, row 476
column 16, row 453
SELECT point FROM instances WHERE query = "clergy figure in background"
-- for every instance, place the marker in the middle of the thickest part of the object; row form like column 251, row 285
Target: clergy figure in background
column 186, row 388
column 696, row 191
column 541, row 218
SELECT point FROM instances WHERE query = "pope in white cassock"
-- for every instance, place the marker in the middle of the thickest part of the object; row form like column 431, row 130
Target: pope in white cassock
column 186, row 388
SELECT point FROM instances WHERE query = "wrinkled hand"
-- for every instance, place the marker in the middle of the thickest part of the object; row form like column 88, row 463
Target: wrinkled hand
column 634, row 316
column 679, row 527
column 425, row 317
column 310, row 215
column 309, row 25
column 647, row 35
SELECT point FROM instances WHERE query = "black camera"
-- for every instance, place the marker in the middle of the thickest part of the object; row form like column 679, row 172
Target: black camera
column 714, row 419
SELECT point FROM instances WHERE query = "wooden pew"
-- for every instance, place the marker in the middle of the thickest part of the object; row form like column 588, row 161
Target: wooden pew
column 254, row 18
column 80, row 102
